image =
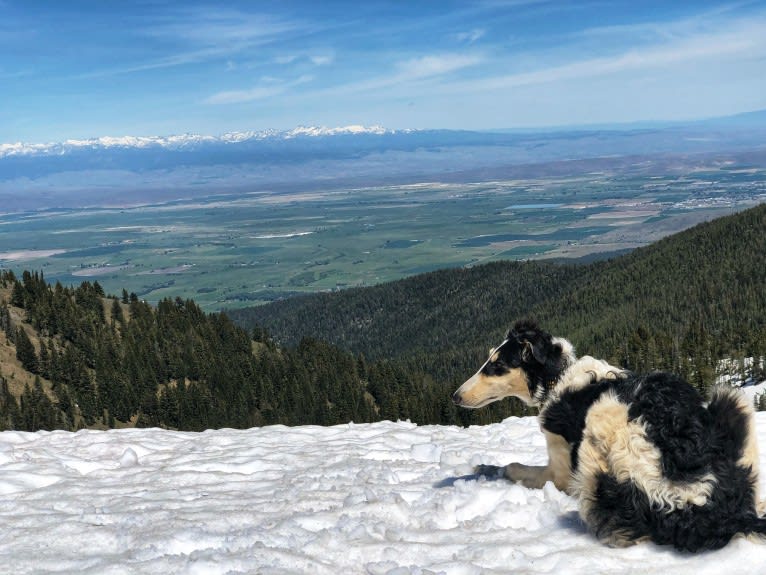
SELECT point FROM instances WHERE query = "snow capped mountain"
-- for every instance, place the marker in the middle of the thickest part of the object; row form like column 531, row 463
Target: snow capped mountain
column 182, row 141
column 314, row 131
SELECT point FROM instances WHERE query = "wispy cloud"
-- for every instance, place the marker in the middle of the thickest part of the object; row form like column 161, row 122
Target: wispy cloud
column 318, row 58
column 322, row 59
column 739, row 39
column 433, row 65
column 470, row 36
column 404, row 73
column 413, row 70
column 197, row 35
column 268, row 88
column 220, row 29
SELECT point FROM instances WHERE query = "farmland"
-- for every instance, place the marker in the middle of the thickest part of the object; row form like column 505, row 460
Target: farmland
column 248, row 247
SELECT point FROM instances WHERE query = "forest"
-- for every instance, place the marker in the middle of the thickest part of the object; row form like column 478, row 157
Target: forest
column 106, row 361
column 392, row 351
column 683, row 303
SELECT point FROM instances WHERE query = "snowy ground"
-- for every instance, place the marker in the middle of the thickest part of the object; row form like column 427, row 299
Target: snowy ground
column 384, row 498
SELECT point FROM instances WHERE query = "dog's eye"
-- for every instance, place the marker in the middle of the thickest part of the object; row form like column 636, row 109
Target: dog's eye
column 495, row 368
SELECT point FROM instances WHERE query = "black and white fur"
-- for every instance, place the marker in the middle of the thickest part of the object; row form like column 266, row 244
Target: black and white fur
column 645, row 456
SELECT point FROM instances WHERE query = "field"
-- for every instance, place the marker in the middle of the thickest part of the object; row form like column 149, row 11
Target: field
column 241, row 249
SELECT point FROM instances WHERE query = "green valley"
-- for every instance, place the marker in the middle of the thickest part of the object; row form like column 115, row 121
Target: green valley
column 249, row 247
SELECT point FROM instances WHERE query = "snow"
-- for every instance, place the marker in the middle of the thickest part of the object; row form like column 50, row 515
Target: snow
column 183, row 140
column 382, row 499
column 754, row 390
column 730, row 372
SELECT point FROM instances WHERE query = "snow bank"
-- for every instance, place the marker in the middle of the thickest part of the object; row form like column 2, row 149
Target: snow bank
column 382, row 499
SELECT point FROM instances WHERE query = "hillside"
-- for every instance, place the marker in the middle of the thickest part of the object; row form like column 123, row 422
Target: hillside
column 680, row 303
column 73, row 357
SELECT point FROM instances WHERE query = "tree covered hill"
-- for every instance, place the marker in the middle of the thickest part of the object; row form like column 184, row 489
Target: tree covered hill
column 681, row 303
column 74, row 357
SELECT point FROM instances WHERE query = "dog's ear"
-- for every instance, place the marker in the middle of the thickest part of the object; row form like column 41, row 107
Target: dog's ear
column 527, row 351
column 537, row 351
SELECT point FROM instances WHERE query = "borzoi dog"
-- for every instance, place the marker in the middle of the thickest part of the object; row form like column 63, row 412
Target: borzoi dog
column 644, row 455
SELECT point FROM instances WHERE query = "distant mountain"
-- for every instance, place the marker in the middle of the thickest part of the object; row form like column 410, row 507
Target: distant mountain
column 182, row 141
column 134, row 170
column 754, row 119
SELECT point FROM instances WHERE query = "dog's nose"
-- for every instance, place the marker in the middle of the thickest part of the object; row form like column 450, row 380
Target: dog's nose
column 457, row 398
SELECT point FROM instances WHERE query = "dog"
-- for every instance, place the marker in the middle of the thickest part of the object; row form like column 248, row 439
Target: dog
column 644, row 455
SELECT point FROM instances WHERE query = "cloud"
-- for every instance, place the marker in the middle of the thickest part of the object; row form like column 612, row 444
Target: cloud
column 318, row 59
column 404, row 73
column 196, row 34
column 269, row 88
column 220, row 29
column 287, row 59
column 322, row 59
column 408, row 72
column 433, row 65
column 740, row 40
column 471, row 36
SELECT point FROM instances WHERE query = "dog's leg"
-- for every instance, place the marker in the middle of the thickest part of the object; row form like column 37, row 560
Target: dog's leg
column 531, row 476
column 558, row 469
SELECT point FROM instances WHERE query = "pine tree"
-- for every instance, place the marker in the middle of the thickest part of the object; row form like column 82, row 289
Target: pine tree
column 37, row 411
column 9, row 408
column 116, row 312
column 25, row 351
column 5, row 318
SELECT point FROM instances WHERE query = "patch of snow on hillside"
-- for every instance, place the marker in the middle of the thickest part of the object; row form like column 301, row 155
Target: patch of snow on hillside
column 383, row 498
column 730, row 372
column 755, row 390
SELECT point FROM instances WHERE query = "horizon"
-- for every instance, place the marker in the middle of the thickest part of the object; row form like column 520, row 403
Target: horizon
column 88, row 70
column 129, row 139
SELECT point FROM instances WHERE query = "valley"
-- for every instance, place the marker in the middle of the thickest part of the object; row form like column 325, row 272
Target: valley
column 249, row 247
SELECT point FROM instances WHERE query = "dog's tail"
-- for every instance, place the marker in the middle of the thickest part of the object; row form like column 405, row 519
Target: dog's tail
column 733, row 428
column 735, row 440
column 756, row 526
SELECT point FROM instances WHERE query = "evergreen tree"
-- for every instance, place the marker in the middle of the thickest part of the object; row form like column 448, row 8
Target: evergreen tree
column 37, row 411
column 25, row 351
column 116, row 313
column 5, row 319
column 9, row 408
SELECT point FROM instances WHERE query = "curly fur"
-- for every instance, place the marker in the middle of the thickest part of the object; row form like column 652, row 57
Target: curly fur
column 645, row 456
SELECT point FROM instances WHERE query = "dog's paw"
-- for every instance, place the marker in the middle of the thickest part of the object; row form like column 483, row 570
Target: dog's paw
column 493, row 471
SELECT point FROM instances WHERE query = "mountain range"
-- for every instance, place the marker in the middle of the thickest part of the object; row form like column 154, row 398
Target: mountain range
column 748, row 120
column 181, row 141
column 107, row 170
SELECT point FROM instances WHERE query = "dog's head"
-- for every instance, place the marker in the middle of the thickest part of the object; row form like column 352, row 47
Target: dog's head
column 525, row 365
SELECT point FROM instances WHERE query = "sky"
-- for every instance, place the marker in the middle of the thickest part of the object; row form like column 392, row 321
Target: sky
column 82, row 69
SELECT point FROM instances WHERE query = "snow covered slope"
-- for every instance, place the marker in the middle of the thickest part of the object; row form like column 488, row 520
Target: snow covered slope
column 383, row 498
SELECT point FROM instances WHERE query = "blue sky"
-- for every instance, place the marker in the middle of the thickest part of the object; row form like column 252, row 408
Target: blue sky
column 79, row 69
